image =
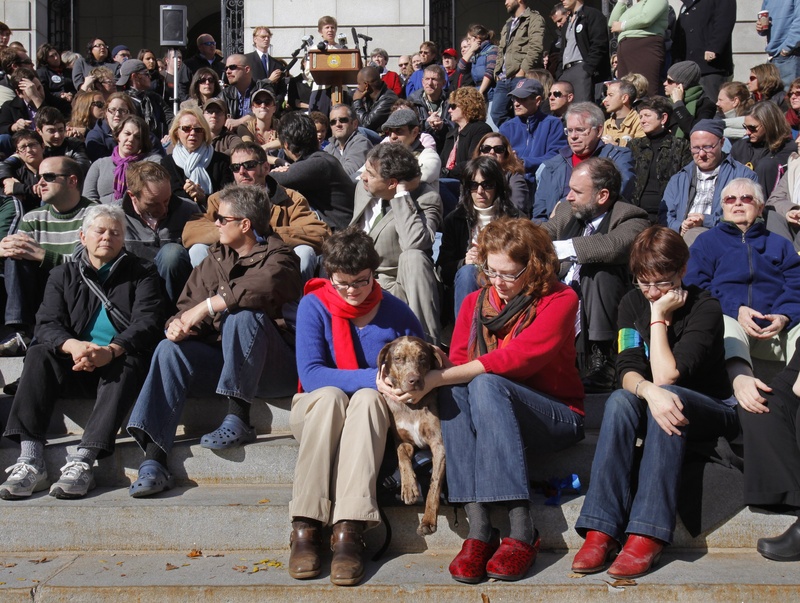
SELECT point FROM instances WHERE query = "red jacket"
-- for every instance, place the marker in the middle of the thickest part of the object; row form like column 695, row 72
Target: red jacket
column 542, row 357
column 392, row 81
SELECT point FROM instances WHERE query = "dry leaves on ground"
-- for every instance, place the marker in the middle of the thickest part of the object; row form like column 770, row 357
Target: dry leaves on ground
column 194, row 553
column 171, row 567
column 42, row 560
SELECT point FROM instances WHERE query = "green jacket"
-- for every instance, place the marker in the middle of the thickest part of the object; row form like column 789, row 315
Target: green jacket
column 525, row 48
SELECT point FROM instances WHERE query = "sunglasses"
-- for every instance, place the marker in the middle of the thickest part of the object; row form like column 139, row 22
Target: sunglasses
column 452, row 107
column 556, row 94
column 267, row 102
column 794, row 93
column 498, row 149
column 751, row 128
column 212, row 43
column 206, row 80
column 486, row 185
column 187, row 129
column 218, row 217
column 233, row 67
column 746, row 199
column 340, row 120
column 51, row 177
column 671, row 81
column 248, row 165
column 98, row 104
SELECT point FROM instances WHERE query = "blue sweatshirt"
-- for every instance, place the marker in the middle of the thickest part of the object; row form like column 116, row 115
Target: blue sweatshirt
column 784, row 31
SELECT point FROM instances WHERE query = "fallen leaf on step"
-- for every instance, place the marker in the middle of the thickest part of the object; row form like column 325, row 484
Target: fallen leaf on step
column 255, row 569
column 185, row 564
column 120, row 562
column 263, row 501
column 624, row 582
column 8, row 565
column 216, row 555
column 123, row 575
column 171, row 567
column 240, row 568
column 195, row 553
column 42, row 560
column 574, row 575
column 1, row 583
column 485, row 598
column 234, row 504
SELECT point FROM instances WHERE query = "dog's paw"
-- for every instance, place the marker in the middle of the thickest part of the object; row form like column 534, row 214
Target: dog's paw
column 426, row 528
column 410, row 493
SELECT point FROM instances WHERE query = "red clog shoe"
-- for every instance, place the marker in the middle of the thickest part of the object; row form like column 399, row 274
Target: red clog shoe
column 470, row 564
column 596, row 551
column 513, row 559
column 638, row 556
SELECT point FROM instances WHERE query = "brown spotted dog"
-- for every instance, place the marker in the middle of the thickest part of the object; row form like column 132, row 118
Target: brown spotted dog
column 405, row 362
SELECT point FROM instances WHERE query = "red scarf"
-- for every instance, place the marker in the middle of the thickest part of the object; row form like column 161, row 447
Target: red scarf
column 341, row 314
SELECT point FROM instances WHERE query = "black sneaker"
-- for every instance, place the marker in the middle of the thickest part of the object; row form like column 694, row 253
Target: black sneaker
column 600, row 373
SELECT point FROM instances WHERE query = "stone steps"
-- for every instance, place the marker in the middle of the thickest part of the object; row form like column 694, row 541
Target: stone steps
column 696, row 577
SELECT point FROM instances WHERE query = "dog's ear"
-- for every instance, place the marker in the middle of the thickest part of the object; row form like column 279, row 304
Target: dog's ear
column 436, row 360
column 384, row 356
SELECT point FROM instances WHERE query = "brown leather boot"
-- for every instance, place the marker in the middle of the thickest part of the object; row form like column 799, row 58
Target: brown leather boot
column 305, row 543
column 347, row 565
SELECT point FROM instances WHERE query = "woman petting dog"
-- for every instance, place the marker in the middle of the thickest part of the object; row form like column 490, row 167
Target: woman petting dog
column 341, row 421
column 675, row 389
column 513, row 389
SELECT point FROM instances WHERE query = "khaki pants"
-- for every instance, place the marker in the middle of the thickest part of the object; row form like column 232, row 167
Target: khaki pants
column 342, row 441
column 739, row 344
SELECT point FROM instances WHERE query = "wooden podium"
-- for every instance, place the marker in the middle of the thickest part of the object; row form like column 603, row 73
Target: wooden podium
column 335, row 67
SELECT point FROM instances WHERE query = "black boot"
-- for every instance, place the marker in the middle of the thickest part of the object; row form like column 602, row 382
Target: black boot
column 785, row 547
column 600, row 371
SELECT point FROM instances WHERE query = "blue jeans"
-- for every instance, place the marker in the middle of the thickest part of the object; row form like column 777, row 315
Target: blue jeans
column 610, row 506
column 466, row 282
column 789, row 68
column 488, row 426
column 499, row 111
column 173, row 266
column 232, row 369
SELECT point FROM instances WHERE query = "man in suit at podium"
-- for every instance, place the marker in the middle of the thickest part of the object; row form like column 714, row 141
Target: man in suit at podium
column 265, row 67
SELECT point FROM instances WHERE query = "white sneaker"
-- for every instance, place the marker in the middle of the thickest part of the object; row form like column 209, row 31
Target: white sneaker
column 25, row 479
column 75, row 481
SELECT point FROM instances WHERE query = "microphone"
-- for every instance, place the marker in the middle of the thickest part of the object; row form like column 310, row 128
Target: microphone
column 307, row 40
column 355, row 36
column 365, row 38
column 322, row 46
column 342, row 38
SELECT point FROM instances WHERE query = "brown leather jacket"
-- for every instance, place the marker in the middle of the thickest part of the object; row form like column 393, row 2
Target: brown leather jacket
column 291, row 217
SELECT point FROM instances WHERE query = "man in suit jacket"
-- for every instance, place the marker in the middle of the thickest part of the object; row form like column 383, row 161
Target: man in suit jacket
column 402, row 214
column 265, row 67
column 206, row 56
column 592, row 233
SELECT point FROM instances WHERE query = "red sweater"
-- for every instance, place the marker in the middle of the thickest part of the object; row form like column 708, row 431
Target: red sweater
column 542, row 356
column 392, row 81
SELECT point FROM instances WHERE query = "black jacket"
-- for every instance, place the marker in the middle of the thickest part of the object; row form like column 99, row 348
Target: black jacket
column 16, row 109
column 468, row 138
column 705, row 25
column 73, row 148
column 257, row 70
column 197, row 61
column 219, row 171
column 231, row 96
column 23, row 190
column 423, row 113
column 591, row 36
column 133, row 287
column 373, row 114
column 673, row 155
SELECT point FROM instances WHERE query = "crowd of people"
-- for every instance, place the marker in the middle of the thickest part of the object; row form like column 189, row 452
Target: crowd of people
column 558, row 221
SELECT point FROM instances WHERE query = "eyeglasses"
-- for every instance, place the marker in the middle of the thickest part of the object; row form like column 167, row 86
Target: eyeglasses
column 211, row 43
column 359, row 284
column 206, row 80
column 248, row 165
column 218, row 217
column 187, row 129
column 662, row 286
column 117, row 111
column 509, row 278
column 233, row 67
column 51, row 177
column 267, row 102
column 100, row 46
column 28, row 147
column 487, row 185
column 402, row 64
column 556, row 94
column 498, row 149
column 794, row 93
column 98, row 104
column 452, row 107
column 340, row 120
column 578, row 131
column 752, row 127
column 746, row 199
column 706, row 148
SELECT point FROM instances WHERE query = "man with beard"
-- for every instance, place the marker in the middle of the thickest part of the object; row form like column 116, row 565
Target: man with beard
column 593, row 233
